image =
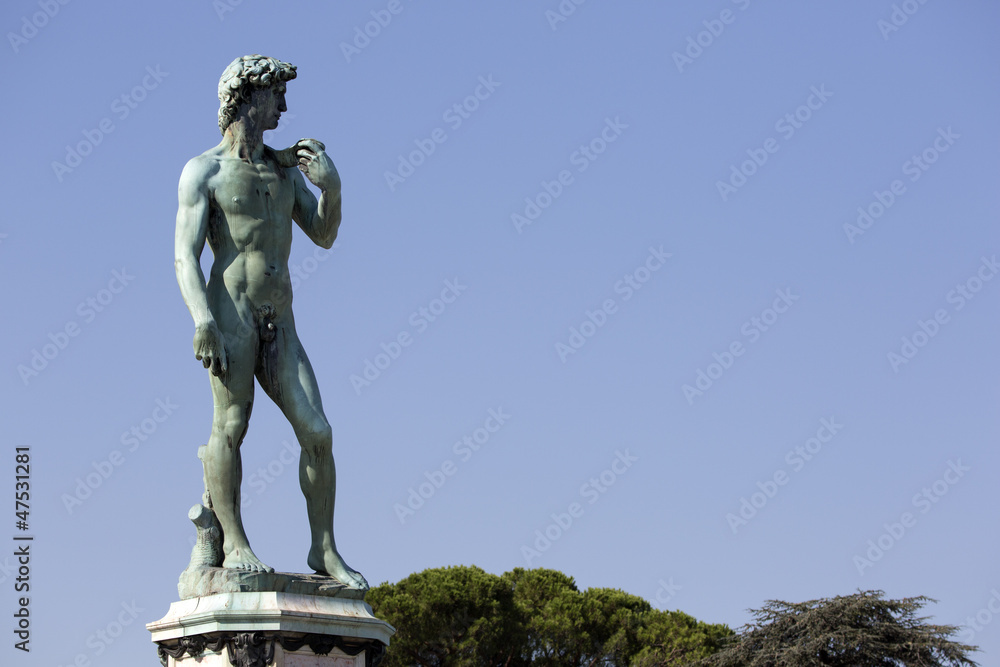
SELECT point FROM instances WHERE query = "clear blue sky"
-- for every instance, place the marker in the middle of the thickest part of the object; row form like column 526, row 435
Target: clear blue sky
column 793, row 311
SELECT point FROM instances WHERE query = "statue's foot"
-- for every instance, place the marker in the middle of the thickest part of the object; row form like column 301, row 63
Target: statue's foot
column 244, row 559
column 328, row 561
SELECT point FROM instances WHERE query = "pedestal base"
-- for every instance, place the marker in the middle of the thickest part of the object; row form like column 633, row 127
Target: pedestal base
column 271, row 656
column 259, row 629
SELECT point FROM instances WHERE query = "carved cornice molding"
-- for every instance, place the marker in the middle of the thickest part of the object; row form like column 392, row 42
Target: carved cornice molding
column 256, row 649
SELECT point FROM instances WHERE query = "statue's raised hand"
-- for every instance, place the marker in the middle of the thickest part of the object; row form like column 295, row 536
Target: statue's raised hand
column 311, row 158
column 210, row 348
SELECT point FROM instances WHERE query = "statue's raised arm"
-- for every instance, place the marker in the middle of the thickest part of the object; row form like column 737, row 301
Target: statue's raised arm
column 320, row 221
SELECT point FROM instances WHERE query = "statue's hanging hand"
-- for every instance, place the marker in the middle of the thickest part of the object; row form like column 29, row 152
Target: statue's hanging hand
column 210, row 348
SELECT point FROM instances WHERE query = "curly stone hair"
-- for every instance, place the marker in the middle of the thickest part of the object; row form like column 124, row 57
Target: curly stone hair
column 242, row 76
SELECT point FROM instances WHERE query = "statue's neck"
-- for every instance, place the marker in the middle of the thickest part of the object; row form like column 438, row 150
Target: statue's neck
column 244, row 141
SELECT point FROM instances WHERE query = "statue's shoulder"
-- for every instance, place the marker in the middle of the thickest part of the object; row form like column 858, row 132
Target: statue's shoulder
column 200, row 169
column 285, row 158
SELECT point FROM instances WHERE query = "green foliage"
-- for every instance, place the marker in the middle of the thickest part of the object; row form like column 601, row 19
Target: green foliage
column 860, row 630
column 463, row 616
column 691, row 640
column 454, row 617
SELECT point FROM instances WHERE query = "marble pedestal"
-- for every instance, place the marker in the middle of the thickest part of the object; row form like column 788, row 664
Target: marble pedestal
column 303, row 621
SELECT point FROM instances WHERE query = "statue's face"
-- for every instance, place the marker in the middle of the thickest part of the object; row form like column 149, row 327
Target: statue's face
column 266, row 106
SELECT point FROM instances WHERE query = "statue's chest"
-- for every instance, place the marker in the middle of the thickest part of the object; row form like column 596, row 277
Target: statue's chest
column 255, row 191
column 256, row 202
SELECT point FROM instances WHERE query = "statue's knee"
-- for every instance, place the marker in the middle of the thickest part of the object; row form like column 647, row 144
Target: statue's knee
column 318, row 440
column 232, row 426
column 323, row 435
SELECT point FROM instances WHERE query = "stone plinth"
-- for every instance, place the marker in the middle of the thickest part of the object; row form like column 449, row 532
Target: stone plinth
column 204, row 581
column 312, row 621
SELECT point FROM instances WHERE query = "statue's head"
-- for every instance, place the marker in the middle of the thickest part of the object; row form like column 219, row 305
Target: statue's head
column 244, row 75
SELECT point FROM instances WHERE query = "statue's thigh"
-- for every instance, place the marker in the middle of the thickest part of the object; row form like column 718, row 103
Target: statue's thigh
column 235, row 389
column 292, row 385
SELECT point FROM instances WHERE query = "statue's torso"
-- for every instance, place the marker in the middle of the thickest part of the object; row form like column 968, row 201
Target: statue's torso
column 250, row 233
